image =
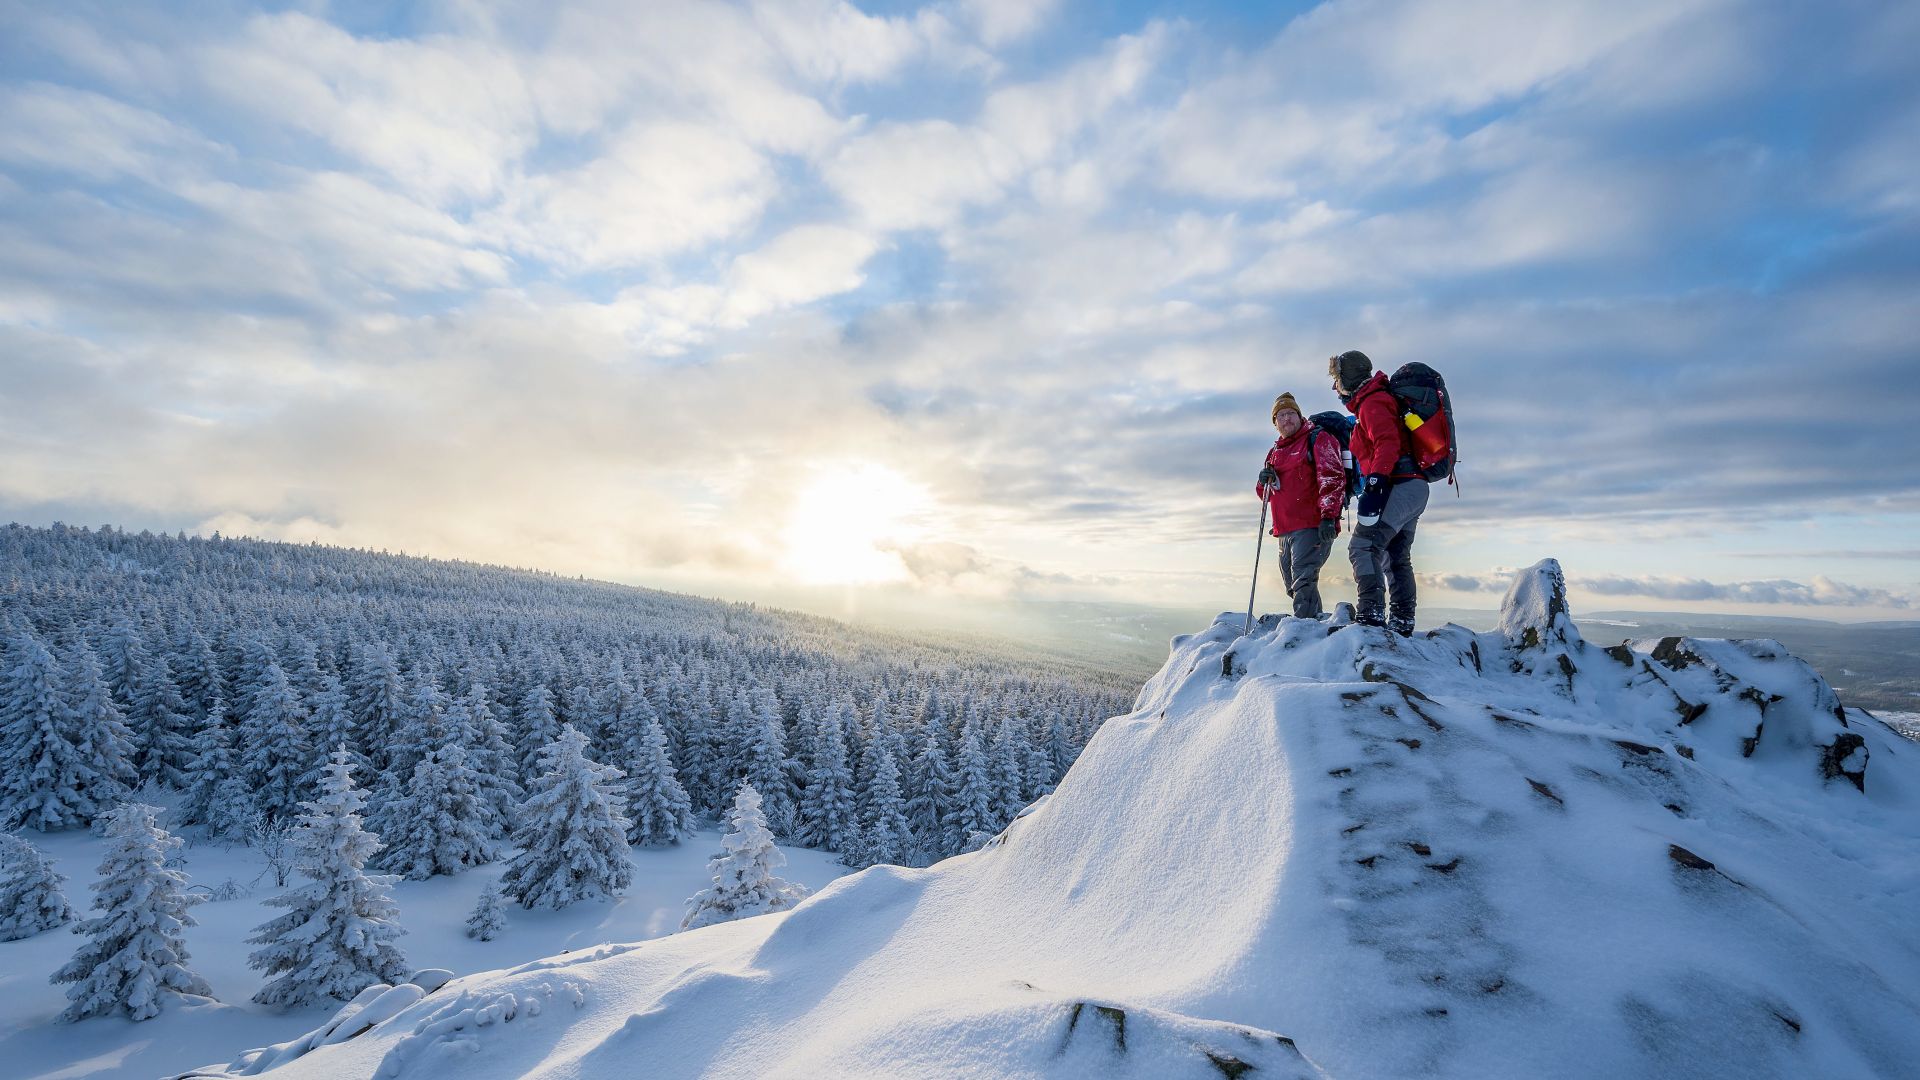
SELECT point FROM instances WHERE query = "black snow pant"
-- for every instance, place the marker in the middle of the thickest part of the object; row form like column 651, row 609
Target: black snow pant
column 1382, row 554
column 1302, row 554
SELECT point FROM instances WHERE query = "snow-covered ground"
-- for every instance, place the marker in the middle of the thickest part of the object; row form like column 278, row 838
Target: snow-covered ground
column 1305, row 853
column 434, row 912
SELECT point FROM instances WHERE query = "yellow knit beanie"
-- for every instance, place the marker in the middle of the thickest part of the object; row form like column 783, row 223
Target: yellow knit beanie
column 1285, row 401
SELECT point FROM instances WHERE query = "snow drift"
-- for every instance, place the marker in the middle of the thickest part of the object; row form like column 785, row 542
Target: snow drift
column 1314, row 853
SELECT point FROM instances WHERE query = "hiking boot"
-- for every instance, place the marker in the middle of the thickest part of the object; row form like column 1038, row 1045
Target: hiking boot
column 1370, row 618
column 1401, row 624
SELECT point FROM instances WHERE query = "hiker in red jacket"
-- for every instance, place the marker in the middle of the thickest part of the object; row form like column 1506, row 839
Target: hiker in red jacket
column 1305, row 487
column 1392, row 495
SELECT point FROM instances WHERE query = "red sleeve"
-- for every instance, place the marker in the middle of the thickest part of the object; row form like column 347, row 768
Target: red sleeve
column 1332, row 475
column 1270, row 465
column 1377, row 436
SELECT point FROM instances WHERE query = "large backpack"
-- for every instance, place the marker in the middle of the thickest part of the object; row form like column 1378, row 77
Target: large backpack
column 1340, row 426
column 1427, row 411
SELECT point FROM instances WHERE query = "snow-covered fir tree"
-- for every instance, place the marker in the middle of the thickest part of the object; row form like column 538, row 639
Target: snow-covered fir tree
column 573, row 832
column 657, row 807
column 336, row 937
column 488, row 917
column 273, row 745
column 476, row 727
column 46, row 782
column 376, row 699
column 827, row 811
column 439, row 826
column 216, row 794
column 31, row 899
column 930, row 786
column 765, row 765
column 539, row 725
column 135, row 956
column 97, row 725
column 883, row 835
column 972, row 812
column 162, row 726
column 330, row 727
column 743, row 880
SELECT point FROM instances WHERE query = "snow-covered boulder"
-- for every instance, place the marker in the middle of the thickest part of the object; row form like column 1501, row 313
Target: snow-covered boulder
column 1318, row 851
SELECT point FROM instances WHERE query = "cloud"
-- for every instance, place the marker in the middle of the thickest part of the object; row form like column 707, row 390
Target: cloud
column 441, row 116
column 1819, row 591
column 927, row 173
column 661, row 188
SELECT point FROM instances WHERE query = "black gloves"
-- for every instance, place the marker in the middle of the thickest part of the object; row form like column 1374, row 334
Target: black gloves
column 1269, row 478
column 1329, row 529
column 1373, row 498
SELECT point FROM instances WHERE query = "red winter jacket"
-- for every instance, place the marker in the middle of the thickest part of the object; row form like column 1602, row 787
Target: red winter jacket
column 1379, row 439
column 1311, row 490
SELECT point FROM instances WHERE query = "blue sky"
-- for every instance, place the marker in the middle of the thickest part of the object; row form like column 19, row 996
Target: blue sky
column 974, row 297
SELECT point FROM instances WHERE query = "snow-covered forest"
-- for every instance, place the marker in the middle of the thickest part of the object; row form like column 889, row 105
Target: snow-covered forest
column 230, row 670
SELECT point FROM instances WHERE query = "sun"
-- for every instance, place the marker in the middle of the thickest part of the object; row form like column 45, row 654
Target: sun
column 848, row 522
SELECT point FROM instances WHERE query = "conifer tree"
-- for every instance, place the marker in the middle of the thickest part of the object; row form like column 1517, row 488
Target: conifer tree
column 929, row 795
column 210, row 799
column 136, row 954
column 883, row 836
column 1004, row 766
column 336, row 938
column 491, row 757
column 488, row 917
column 827, row 811
column 97, row 724
column 440, row 825
column 329, row 728
column 422, row 725
column 657, row 804
column 46, row 781
column 376, row 699
column 273, row 746
column 30, row 896
column 123, row 662
column 539, row 725
column 161, row 724
column 743, row 879
column 972, row 811
column 766, row 762
column 196, row 670
column 573, row 831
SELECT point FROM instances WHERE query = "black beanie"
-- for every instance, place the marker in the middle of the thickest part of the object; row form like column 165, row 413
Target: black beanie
column 1351, row 368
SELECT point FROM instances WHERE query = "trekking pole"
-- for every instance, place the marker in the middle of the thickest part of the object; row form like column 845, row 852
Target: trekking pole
column 1259, row 539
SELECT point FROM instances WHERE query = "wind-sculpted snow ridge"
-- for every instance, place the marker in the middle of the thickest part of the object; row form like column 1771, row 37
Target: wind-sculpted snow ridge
column 1314, row 853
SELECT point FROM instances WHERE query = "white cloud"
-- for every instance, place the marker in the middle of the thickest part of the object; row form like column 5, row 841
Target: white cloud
column 803, row 264
column 927, row 173
column 1000, row 22
column 661, row 188
column 93, row 136
column 444, row 117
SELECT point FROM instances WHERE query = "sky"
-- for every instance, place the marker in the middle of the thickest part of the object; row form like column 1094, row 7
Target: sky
column 982, row 299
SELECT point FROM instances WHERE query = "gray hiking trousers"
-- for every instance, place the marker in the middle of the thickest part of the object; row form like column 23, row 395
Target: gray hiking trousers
column 1301, row 557
column 1382, row 553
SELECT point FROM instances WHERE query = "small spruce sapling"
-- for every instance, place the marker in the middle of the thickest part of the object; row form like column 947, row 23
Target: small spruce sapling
column 30, row 895
column 743, row 880
column 488, row 918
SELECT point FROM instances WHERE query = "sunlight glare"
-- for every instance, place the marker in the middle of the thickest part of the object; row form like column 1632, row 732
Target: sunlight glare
column 848, row 522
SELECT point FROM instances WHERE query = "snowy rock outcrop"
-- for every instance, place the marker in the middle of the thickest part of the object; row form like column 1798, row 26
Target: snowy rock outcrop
column 1315, row 852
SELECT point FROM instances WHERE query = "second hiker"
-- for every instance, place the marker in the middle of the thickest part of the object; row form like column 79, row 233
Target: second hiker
column 1392, row 496
column 1305, row 486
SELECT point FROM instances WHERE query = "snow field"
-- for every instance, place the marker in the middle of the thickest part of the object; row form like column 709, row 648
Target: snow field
column 434, row 911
